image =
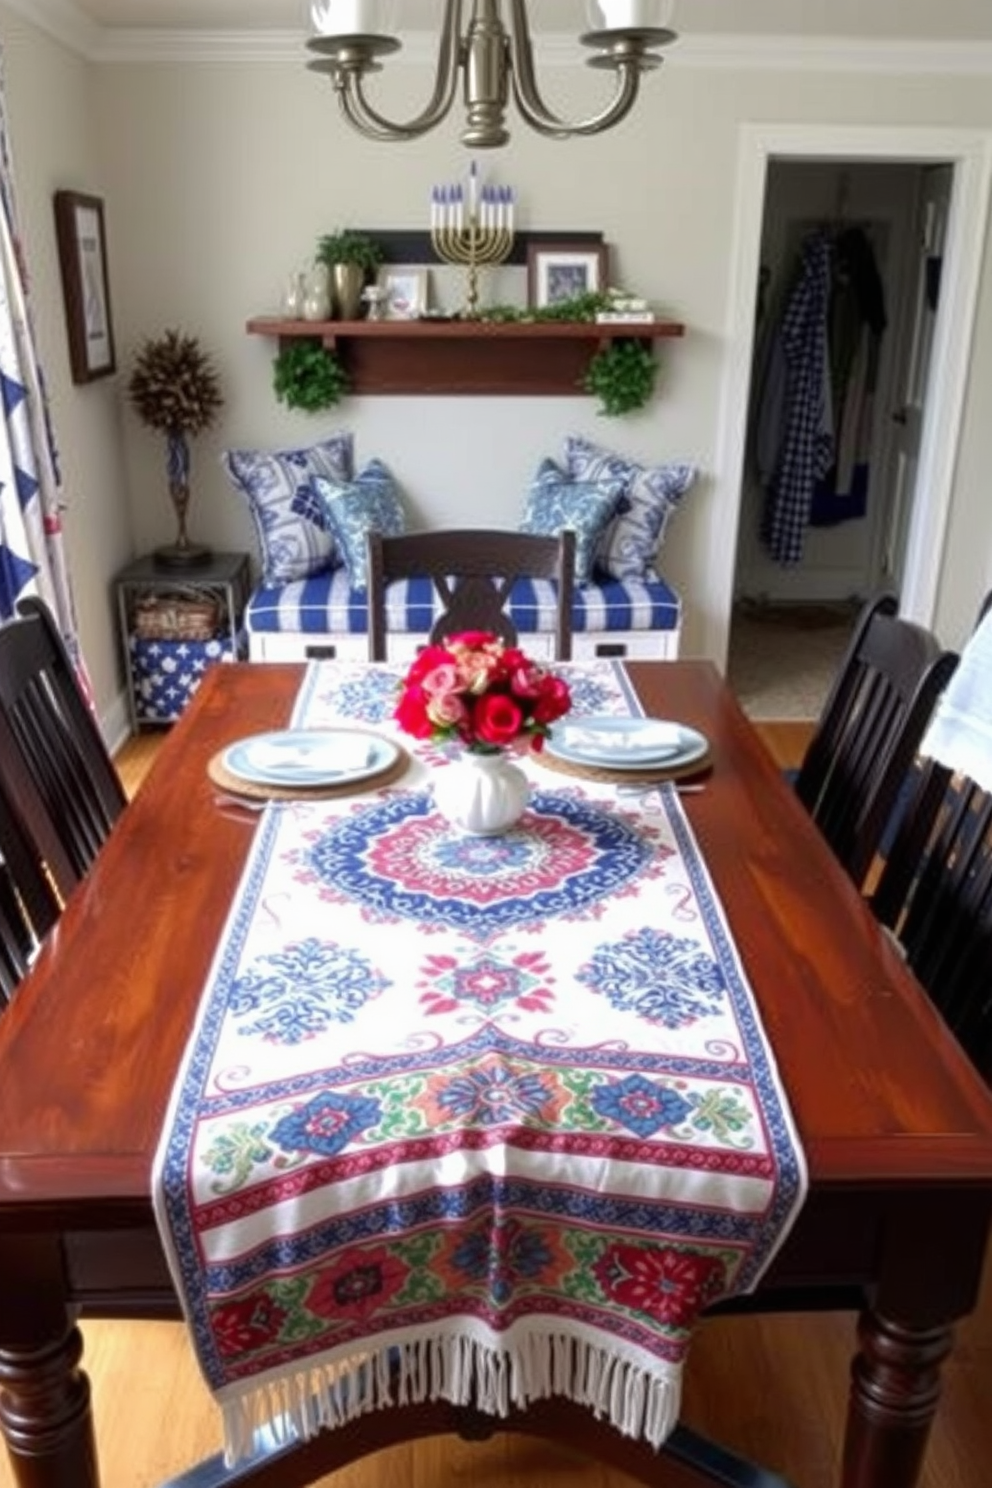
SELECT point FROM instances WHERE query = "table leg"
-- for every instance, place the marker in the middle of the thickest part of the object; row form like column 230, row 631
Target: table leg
column 895, row 1386
column 45, row 1411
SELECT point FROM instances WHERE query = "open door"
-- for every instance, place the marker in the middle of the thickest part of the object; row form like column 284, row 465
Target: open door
column 907, row 416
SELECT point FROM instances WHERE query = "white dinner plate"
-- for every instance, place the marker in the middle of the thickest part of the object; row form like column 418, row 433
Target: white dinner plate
column 302, row 757
column 626, row 743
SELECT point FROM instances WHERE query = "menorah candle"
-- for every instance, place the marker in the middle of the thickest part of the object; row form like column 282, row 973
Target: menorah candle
column 473, row 192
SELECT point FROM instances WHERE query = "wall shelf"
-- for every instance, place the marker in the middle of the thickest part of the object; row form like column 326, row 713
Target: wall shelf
column 516, row 358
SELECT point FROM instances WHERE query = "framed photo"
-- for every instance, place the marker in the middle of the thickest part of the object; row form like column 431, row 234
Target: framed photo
column 559, row 270
column 82, row 248
column 406, row 291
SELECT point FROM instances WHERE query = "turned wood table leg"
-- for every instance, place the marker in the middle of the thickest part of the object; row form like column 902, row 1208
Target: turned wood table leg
column 895, row 1386
column 45, row 1411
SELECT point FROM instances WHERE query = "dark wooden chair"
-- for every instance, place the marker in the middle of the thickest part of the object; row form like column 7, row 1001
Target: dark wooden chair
column 865, row 741
column 55, row 771
column 472, row 571
column 16, row 939
column 935, row 895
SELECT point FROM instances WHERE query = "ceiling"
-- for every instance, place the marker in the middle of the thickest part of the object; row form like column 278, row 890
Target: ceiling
column 896, row 19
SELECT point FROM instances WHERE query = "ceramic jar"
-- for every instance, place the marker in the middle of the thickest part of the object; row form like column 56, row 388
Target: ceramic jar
column 482, row 794
column 317, row 299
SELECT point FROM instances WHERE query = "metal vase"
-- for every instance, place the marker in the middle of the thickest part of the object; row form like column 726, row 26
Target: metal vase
column 347, row 283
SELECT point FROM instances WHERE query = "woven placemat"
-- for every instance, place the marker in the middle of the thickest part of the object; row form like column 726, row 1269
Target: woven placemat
column 652, row 776
column 233, row 785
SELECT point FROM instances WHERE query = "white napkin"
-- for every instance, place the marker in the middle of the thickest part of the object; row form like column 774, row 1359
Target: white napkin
column 639, row 740
column 960, row 733
column 338, row 752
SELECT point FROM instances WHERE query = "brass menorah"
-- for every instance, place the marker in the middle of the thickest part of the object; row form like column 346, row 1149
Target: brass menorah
column 480, row 238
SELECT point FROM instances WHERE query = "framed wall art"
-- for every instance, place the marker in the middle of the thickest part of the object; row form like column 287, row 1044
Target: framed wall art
column 406, row 291
column 82, row 246
column 558, row 270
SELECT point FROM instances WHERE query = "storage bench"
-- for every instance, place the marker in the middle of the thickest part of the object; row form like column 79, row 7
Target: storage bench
column 322, row 617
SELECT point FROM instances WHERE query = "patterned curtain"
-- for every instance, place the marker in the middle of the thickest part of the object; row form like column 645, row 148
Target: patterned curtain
column 32, row 548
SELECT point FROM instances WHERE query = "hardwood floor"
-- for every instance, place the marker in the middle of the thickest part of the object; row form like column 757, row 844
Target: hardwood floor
column 772, row 1388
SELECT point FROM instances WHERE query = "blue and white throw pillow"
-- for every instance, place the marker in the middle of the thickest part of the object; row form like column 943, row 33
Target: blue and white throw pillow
column 369, row 503
column 556, row 502
column 294, row 536
column 650, row 494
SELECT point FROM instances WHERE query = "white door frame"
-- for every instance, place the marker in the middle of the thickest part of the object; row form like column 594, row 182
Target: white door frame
column 970, row 153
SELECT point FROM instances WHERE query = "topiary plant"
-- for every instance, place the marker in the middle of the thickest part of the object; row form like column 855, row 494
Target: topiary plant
column 622, row 376
column 308, row 376
column 350, row 247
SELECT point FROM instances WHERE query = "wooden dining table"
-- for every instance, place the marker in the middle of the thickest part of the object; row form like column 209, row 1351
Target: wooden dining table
column 895, row 1124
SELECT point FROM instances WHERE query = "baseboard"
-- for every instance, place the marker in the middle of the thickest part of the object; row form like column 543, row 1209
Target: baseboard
column 115, row 723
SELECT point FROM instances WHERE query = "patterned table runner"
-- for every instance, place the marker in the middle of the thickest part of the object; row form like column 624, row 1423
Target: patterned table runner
column 484, row 1119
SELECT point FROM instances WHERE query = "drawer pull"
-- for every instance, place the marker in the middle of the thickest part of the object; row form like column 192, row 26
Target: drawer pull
column 320, row 653
column 611, row 648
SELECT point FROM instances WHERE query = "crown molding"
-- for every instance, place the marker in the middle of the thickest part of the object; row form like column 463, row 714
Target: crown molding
column 723, row 52
column 64, row 21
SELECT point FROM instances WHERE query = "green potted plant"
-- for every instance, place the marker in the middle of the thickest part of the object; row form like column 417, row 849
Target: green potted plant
column 174, row 389
column 352, row 258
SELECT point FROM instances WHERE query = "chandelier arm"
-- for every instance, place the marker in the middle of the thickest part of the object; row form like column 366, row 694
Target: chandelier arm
column 359, row 112
column 540, row 118
column 527, row 94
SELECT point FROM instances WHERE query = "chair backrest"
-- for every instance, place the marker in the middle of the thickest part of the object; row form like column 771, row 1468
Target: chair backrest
column 865, row 741
column 473, row 571
column 54, row 765
column 935, row 894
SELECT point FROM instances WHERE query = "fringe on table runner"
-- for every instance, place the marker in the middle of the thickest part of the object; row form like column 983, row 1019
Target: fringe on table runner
column 639, row 1402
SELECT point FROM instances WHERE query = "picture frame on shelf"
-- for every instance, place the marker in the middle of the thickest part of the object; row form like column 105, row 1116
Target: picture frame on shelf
column 407, row 291
column 558, row 270
column 82, row 248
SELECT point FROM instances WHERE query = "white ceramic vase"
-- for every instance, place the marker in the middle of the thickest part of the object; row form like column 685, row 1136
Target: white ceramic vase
column 482, row 794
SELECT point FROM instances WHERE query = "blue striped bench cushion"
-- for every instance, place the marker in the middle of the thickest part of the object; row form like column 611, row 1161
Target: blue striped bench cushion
column 325, row 605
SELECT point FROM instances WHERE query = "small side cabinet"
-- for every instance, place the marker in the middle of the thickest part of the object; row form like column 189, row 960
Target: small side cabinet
column 174, row 623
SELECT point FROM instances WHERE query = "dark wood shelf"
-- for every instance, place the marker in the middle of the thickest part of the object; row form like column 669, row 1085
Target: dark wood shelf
column 515, row 358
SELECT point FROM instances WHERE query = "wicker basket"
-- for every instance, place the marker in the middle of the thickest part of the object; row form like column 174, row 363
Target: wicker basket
column 177, row 617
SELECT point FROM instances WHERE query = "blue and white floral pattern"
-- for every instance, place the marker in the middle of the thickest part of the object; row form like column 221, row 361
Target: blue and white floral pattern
column 369, row 503
column 660, row 978
column 557, row 502
column 294, row 536
column 627, row 548
column 299, row 993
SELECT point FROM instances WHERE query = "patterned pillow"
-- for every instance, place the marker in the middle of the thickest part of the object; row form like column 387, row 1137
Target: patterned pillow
column 555, row 502
column 294, row 536
column 650, row 494
column 369, row 503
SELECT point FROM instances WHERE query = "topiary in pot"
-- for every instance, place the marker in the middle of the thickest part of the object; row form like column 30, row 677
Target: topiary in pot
column 174, row 389
column 308, row 376
column 352, row 258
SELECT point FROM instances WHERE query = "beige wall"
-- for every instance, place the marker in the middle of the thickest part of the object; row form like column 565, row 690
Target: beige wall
column 220, row 177
column 54, row 142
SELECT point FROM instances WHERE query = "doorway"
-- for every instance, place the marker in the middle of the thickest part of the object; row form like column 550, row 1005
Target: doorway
column 969, row 154
column 881, row 226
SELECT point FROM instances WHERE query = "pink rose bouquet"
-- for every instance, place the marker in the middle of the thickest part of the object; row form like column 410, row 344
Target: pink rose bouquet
column 479, row 692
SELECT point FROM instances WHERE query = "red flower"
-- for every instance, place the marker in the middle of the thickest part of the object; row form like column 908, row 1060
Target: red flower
column 244, row 1326
column 357, row 1285
column 411, row 713
column 670, row 1285
column 554, row 700
column 496, row 719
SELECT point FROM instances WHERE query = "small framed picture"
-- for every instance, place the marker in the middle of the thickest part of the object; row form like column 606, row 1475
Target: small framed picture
column 406, row 291
column 82, row 246
column 559, row 270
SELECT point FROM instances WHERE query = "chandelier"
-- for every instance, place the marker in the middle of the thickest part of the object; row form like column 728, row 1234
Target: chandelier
column 351, row 35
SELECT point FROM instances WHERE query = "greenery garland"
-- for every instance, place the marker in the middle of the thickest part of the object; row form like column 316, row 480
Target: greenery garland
column 307, row 375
